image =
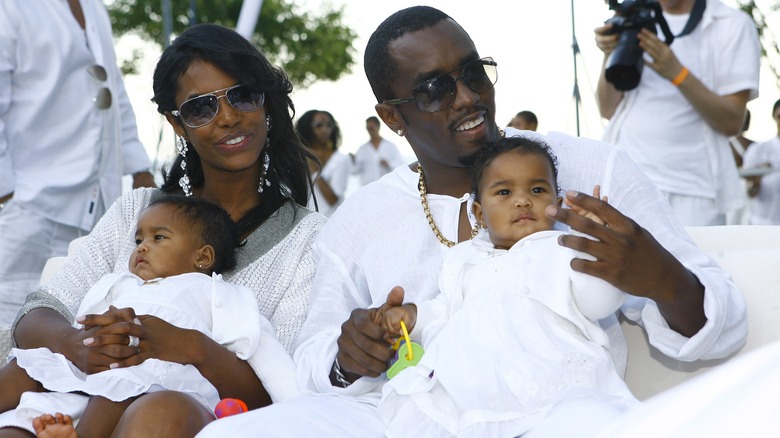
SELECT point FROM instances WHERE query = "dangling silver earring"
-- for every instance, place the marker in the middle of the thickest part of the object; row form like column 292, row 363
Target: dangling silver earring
column 264, row 175
column 266, row 157
column 184, row 181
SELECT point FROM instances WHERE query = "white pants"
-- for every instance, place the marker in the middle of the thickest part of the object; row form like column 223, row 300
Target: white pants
column 27, row 240
column 320, row 415
column 695, row 211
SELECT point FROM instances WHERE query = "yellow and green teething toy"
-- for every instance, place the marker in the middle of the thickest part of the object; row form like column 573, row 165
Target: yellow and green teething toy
column 414, row 352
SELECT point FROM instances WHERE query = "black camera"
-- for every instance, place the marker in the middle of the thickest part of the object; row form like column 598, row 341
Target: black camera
column 624, row 66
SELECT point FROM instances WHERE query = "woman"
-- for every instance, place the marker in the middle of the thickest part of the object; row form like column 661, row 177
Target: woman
column 242, row 152
column 320, row 132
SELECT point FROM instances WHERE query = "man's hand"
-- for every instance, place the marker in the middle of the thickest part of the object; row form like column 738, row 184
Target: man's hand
column 587, row 213
column 629, row 258
column 664, row 62
column 604, row 41
column 143, row 179
column 364, row 346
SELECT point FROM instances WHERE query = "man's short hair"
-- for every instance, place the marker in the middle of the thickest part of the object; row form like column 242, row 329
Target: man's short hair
column 379, row 66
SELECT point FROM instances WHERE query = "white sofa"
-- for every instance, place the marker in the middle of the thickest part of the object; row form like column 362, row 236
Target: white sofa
column 750, row 253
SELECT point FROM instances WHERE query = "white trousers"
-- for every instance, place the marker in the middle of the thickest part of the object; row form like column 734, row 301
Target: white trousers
column 306, row 415
column 27, row 240
column 695, row 211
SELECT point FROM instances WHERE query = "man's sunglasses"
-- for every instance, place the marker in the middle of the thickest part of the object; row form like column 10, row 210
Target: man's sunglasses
column 439, row 93
column 202, row 109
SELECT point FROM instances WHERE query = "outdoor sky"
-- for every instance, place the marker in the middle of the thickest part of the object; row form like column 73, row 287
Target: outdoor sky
column 530, row 39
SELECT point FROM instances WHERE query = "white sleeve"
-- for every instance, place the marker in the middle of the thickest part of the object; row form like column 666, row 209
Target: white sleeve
column 632, row 193
column 340, row 176
column 395, row 159
column 334, row 295
column 584, row 162
column 7, row 67
column 134, row 156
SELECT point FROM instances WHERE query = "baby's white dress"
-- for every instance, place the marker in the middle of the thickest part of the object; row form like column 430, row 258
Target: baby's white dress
column 512, row 335
column 225, row 312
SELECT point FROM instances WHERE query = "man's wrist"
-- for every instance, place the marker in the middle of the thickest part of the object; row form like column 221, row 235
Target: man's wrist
column 337, row 375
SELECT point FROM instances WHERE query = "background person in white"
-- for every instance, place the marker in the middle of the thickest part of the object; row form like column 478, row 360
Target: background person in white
column 377, row 156
column 675, row 124
column 764, row 190
column 320, row 132
column 67, row 134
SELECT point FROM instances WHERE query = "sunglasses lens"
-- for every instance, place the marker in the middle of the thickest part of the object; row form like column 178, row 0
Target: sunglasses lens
column 479, row 77
column 199, row 111
column 439, row 93
column 435, row 94
column 245, row 99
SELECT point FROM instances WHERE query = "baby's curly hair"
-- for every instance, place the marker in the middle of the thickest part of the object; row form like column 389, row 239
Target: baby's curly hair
column 212, row 223
column 486, row 155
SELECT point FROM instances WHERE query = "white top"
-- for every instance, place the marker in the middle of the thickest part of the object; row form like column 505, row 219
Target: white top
column 191, row 301
column 512, row 333
column 662, row 131
column 380, row 238
column 765, row 208
column 61, row 155
column 367, row 160
column 336, row 172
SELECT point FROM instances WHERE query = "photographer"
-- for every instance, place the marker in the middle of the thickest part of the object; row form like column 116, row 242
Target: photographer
column 675, row 123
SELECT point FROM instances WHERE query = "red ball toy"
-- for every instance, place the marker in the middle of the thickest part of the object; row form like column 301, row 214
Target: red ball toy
column 229, row 406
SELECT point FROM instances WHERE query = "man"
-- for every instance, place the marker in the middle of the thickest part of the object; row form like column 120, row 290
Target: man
column 377, row 156
column 675, row 124
column 67, row 135
column 524, row 121
column 764, row 187
column 395, row 233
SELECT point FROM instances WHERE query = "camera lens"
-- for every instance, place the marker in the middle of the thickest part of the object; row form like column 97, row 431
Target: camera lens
column 624, row 66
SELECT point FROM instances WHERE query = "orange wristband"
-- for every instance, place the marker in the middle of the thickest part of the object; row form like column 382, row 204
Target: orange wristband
column 680, row 77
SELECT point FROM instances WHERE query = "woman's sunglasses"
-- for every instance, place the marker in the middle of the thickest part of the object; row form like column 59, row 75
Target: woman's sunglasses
column 202, row 109
column 439, row 93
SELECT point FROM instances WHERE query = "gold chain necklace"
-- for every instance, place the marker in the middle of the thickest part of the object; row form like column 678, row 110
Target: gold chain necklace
column 429, row 216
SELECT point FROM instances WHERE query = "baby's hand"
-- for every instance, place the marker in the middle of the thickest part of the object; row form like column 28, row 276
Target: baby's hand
column 393, row 316
column 587, row 213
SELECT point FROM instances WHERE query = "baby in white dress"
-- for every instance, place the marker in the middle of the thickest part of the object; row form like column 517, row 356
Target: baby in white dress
column 183, row 244
column 512, row 343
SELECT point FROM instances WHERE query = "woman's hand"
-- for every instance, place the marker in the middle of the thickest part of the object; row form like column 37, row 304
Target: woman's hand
column 164, row 341
column 103, row 342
